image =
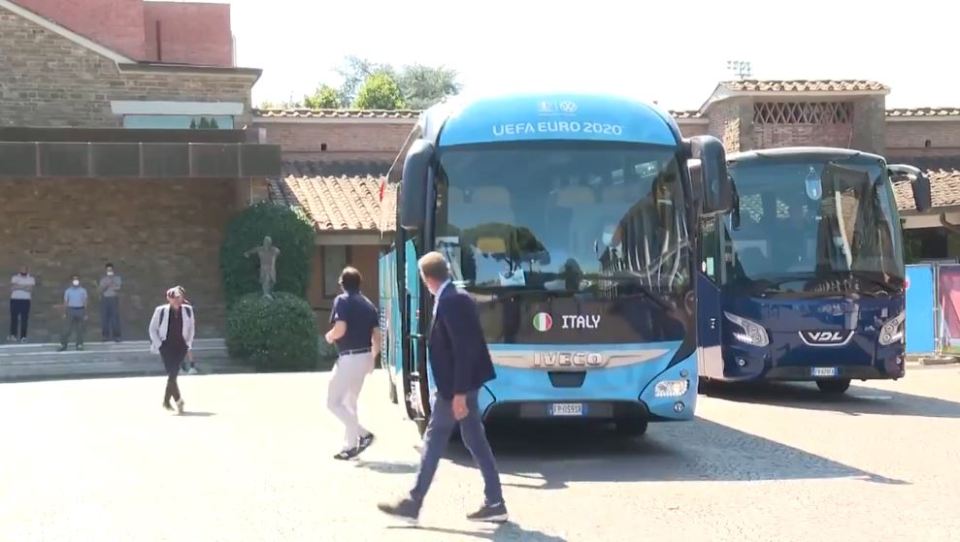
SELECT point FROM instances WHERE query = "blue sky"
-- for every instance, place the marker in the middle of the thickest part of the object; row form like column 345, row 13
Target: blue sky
column 671, row 52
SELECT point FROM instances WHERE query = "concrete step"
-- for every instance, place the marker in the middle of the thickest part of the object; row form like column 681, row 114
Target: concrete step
column 22, row 362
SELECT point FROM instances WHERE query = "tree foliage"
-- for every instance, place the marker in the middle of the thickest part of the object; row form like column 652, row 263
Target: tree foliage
column 290, row 231
column 379, row 91
column 325, row 97
column 278, row 334
column 423, row 86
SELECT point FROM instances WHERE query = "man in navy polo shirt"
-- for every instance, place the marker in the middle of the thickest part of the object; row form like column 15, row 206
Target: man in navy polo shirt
column 356, row 331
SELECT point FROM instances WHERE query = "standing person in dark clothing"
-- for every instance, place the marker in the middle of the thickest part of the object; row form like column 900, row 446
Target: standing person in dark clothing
column 356, row 331
column 461, row 364
column 171, row 335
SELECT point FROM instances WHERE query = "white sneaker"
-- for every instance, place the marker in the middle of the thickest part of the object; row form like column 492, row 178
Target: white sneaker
column 180, row 406
column 193, row 371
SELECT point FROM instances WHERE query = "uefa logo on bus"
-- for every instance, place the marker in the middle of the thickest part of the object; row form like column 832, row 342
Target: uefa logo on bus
column 542, row 322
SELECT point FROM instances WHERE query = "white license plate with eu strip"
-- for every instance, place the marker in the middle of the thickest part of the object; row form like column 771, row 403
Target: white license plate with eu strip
column 823, row 371
column 566, row 409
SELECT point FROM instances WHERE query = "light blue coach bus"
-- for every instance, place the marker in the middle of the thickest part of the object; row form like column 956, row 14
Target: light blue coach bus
column 568, row 218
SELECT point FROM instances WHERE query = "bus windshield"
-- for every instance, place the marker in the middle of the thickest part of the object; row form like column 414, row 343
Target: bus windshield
column 802, row 222
column 566, row 217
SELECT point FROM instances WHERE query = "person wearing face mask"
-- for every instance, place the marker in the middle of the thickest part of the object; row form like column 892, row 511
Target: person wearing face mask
column 21, row 290
column 109, row 288
column 74, row 313
column 171, row 335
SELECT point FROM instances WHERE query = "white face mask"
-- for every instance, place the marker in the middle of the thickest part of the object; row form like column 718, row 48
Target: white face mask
column 76, row 282
column 110, row 273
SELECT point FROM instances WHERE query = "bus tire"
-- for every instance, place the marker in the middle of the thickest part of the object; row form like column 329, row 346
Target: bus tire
column 393, row 390
column 422, row 426
column 833, row 387
column 631, row 427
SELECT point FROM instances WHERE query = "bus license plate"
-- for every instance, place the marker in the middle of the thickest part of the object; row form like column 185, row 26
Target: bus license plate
column 566, row 409
column 824, row 371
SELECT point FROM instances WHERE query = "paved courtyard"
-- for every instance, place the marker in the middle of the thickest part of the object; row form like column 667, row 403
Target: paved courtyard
column 99, row 460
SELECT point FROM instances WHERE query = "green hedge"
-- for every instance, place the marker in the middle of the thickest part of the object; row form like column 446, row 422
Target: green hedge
column 291, row 232
column 278, row 334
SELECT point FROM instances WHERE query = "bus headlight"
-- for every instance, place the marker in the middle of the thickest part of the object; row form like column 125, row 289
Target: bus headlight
column 892, row 331
column 671, row 388
column 752, row 332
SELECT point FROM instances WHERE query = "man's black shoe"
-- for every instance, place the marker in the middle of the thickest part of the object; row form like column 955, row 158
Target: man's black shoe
column 406, row 510
column 494, row 513
column 348, row 454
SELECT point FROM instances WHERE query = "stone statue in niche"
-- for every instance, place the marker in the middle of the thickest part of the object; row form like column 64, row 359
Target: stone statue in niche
column 268, row 264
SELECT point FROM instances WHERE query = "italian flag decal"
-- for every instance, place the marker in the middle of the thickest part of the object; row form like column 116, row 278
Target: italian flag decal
column 542, row 321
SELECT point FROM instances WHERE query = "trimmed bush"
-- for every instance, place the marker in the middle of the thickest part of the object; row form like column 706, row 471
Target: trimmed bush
column 291, row 232
column 278, row 334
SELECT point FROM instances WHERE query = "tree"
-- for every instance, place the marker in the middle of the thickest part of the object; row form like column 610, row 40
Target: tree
column 379, row 91
column 355, row 72
column 325, row 97
column 423, row 86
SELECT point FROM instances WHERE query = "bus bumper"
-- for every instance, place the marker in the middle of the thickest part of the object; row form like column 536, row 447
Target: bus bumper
column 602, row 394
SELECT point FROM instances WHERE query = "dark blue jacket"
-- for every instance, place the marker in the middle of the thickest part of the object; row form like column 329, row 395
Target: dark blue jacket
column 458, row 351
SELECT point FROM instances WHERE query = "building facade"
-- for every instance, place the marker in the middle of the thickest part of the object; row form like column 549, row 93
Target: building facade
column 102, row 159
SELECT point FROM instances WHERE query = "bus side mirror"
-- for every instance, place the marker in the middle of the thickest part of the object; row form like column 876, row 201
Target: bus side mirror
column 717, row 193
column 918, row 181
column 413, row 184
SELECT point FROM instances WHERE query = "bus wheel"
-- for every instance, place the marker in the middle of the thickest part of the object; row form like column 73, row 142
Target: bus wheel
column 631, row 427
column 421, row 426
column 393, row 391
column 833, row 386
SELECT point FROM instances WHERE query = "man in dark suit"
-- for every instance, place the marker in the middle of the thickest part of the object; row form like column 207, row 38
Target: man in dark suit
column 461, row 365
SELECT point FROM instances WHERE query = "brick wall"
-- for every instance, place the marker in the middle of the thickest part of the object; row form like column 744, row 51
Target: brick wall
column 115, row 24
column 768, row 136
column 728, row 120
column 869, row 124
column 910, row 137
column 157, row 233
column 47, row 80
column 188, row 32
column 690, row 129
column 347, row 140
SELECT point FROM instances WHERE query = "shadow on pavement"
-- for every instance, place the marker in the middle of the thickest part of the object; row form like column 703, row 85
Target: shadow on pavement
column 387, row 467
column 551, row 456
column 189, row 414
column 857, row 400
column 505, row 531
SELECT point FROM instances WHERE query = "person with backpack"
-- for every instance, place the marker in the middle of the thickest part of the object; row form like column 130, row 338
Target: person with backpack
column 171, row 331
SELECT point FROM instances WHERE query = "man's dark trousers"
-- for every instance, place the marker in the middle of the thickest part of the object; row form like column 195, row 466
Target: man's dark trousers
column 435, row 440
column 110, row 318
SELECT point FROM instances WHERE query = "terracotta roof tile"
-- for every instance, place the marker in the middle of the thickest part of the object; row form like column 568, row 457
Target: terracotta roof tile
column 399, row 114
column 944, row 188
column 402, row 114
column 335, row 168
column 804, row 85
column 335, row 203
column 924, row 112
column 682, row 115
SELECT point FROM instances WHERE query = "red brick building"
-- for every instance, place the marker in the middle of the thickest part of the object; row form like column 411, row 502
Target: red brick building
column 100, row 158
column 333, row 160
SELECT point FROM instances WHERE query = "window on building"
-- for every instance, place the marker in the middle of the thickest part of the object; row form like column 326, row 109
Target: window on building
column 335, row 258
column 178, row 122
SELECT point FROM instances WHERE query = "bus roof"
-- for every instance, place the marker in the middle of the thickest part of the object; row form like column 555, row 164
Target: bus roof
column 799, row 152
column 548, row 116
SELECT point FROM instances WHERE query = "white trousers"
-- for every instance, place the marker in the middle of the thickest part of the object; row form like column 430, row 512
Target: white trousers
column 345, row 385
